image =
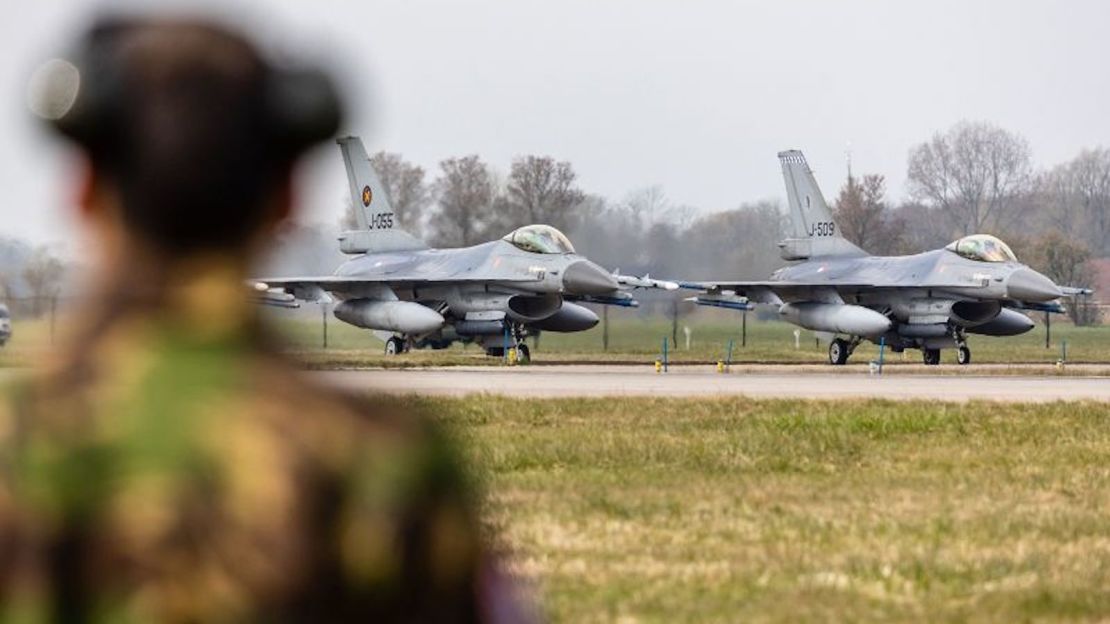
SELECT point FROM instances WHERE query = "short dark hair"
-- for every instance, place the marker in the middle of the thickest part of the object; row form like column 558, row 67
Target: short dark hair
column 194, row 126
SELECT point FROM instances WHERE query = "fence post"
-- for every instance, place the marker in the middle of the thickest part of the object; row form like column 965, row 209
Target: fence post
column 1047, row 330
column 324, row 322
column 744, row 329
column 604, row 328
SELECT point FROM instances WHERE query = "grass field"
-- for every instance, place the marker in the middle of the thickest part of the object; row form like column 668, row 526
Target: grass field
column 644, row 510
column 632, row 338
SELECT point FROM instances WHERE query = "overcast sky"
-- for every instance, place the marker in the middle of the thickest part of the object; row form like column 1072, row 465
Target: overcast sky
column 695, row 96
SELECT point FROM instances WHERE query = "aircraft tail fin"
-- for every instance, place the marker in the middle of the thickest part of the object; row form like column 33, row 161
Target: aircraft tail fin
column 813, row 231
column 374, row 215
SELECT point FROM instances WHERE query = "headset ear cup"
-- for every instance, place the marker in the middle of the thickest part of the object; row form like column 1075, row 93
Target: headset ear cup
column 91, row 119
column 303, row 108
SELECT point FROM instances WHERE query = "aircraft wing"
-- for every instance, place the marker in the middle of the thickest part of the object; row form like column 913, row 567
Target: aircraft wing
column 737, row 294
column 285, row 291
column 736, row 286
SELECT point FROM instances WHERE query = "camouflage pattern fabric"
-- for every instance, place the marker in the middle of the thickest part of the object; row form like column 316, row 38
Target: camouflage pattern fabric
column 173, row 470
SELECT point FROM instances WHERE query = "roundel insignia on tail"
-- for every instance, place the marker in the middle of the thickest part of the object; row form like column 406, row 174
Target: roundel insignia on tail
column 366, row 196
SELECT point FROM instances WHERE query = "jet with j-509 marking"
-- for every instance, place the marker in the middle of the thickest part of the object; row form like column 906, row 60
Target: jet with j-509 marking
column 928, row 301
column 495, row 293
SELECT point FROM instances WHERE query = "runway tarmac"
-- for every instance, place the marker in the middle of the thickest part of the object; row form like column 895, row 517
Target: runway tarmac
column 593, row 381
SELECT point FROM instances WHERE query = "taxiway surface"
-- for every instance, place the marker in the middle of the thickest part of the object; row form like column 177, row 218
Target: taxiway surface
column 585, row 381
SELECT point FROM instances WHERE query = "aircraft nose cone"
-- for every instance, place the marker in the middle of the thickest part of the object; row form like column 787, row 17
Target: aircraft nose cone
column 586, row 278
column 1028, row 285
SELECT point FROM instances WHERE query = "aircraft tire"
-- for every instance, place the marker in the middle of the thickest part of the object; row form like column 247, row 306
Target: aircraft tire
column 838, row 352
column 523, row 355
column 963, row 356
column 394, row 346
column 931, row 357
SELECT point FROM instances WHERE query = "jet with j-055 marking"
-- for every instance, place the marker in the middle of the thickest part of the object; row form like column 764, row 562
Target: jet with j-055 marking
column 495, row 293
column 928, row 301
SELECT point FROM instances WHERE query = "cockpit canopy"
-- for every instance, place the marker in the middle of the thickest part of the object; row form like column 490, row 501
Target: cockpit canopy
column 983, row 248
column 542, row 239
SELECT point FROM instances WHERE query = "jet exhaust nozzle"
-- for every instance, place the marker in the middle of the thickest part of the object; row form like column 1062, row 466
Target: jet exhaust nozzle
column 405, row 317
column 837, row 318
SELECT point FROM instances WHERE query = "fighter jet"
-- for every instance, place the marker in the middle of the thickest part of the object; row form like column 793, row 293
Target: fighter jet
column 496, row 293
column 928, row 301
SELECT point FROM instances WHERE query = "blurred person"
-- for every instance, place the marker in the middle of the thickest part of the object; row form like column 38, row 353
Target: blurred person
column 171, row 466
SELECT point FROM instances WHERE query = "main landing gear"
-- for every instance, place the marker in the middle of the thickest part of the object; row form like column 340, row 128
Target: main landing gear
column 840, row 349
column 931, row 357
column 395, row 345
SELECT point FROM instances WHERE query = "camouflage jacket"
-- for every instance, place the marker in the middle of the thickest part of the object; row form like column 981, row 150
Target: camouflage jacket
column 173, row 470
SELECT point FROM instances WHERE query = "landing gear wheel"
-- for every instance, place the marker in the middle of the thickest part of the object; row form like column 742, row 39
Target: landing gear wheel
column 838, row 352
column 931, row 357
column 523, row 356
column 963, row 356
column 394, row 345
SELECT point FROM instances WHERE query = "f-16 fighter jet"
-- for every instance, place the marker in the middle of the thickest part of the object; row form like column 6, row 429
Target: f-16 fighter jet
column 928, row 301
column 495, row 294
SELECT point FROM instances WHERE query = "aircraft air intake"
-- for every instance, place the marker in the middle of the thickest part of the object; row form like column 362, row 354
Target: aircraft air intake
column 571, row 317
column 1007, row 323
column 528, row 309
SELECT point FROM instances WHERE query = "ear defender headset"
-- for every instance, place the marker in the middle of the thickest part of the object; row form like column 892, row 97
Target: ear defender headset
column 85, row 97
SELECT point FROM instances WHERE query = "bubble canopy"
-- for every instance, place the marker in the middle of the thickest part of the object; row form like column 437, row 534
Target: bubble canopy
column 542, row 239
column 983, row 248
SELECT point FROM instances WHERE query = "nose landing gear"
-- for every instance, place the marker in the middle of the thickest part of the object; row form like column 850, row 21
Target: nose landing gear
column 840, row 350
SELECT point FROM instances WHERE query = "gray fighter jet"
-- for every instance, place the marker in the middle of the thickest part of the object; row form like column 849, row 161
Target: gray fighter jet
column 928, row 301
column 495, row 294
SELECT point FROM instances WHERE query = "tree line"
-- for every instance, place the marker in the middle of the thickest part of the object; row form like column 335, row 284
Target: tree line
column 974, row 177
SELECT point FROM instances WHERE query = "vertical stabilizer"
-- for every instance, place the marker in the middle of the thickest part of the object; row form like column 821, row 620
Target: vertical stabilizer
column 373, row 212
column 813, row 231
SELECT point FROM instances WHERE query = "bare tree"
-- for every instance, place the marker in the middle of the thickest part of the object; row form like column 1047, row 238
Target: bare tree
column 865, row 218
column 404, row 187
column 1065, row 262
column 972, row 173
column 1074, row 197
column 647, row 205
column 923, row 227
column 741, row 243
column 466, row 191
column 541, row 190
column 43, row 274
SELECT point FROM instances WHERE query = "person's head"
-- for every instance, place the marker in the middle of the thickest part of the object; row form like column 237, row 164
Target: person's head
column 190, row 133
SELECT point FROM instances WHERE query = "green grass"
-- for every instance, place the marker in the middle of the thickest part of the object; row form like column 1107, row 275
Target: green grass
column 649, row 510
column 639, row 339
column 632, row 338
